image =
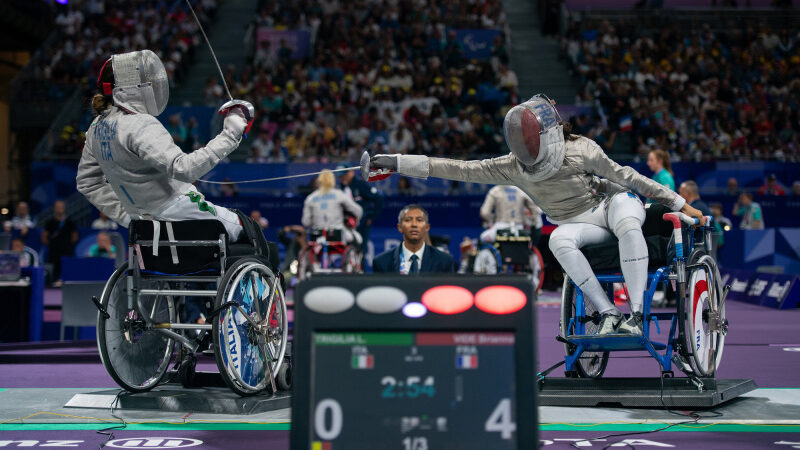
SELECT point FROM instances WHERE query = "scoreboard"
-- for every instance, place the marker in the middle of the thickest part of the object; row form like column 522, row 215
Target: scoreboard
column 414, row 363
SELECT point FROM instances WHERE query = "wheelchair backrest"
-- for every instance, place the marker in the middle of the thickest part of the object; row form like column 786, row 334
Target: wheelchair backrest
column 177, row 259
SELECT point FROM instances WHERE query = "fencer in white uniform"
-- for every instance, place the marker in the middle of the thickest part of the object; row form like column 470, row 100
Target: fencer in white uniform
column 325, row 208
column 562, row 172
column 131, row 167
column 506, row 207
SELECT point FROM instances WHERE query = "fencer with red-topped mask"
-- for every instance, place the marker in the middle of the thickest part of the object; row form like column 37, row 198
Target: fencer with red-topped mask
column 131, row 167
column 578, row 186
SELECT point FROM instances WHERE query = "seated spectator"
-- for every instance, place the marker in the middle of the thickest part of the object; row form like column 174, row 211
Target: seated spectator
column 104, row 223
column 404, row 187
column 103, row 248
column 413, row 255
column 688, row 190
column 771, row 187
column 733, row 187
column 59, row 235
column 796, row 188
column 750, row 211
column 259, row 219
column 720, row 223
column 21, row 221
column 25, row 258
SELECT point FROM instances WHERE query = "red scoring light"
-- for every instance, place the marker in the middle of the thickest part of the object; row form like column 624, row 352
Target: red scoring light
column 447, row 299
column 500, row 299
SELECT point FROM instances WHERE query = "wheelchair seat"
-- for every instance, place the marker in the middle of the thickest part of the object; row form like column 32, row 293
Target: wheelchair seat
column 197, row 260
column 657, row 235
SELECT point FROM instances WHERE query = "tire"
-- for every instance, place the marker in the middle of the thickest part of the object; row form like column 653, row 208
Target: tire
column 706, row 345
column 590, row 364
column 537, row 269
column 305, row 264
column 284, row 378
column 352, row 261
column 241, row 351
column 137, row 361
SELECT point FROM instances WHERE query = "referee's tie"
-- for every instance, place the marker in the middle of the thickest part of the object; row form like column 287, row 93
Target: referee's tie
column 414, row 269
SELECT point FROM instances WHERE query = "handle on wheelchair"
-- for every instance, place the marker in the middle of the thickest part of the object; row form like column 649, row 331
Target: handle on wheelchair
column 677, row 234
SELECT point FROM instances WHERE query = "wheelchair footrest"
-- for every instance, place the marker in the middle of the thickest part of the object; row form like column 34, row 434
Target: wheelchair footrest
column 612, row 342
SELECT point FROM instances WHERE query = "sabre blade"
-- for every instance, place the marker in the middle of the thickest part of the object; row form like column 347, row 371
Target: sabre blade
column 211, row 49
column 263, row 180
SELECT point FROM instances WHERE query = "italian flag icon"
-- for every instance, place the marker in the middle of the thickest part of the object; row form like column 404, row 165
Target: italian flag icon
column 467, row 361
column 363, row 362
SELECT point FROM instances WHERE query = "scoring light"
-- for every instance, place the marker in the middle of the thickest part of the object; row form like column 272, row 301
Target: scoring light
column 414, row 310
column 447, row 299
column 500, row 299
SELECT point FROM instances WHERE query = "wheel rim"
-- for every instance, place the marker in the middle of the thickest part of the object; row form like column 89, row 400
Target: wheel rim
column 589, row 364
column 139, row 359
column 247, row 349
column 537, row 269
column 701, row 308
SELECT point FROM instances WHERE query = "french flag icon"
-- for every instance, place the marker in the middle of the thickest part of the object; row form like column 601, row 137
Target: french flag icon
column 467, row 361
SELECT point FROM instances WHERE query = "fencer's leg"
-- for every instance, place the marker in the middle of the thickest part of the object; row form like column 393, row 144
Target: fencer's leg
column 565, row 243
column 231, row 222
column 625, row 218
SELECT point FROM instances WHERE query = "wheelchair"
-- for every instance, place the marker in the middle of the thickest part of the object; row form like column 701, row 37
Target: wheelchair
column 139, row 326
column 327, row 252
column 697, row 329
column 512, row 251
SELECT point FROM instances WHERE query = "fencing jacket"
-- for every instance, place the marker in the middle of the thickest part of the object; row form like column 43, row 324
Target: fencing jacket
column 575, row 188
column 131, row 167
column 326, row 210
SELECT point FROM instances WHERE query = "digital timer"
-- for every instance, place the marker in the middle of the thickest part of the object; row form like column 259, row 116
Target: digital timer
column 369, row 376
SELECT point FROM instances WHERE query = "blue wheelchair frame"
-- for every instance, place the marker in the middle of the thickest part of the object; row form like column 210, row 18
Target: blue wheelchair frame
column 624, row 342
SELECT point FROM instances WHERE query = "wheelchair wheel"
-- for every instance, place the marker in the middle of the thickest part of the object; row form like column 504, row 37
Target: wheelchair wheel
column 590, row 364
column 243, row 349
column 134, row 354
column 537, row 269
column 352, row 261
column 305, row 264
column 705, row 320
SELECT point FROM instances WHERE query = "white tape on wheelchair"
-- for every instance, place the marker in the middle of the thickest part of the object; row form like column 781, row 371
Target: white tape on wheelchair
column 156, row 236
column 172, row 248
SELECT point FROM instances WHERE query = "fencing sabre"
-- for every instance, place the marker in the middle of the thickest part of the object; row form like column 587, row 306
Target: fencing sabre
column 363, row 168
column 248, row 109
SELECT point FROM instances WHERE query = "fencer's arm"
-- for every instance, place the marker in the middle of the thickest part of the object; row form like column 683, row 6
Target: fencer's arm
column 306, row 219
column 487, row 207
column 501, row 170
column 352, row 207
column 595, row 161
column 153, row 143
column 93, row 186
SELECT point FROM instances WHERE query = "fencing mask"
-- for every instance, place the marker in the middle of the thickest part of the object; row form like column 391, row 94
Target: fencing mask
column 535, row 136
column 140, row 82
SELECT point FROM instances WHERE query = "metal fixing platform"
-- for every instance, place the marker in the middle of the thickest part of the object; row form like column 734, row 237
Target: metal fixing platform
column 175, row 398
column 640, row 392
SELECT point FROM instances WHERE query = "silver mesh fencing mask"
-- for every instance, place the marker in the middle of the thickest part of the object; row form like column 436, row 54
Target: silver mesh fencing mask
column 140, row 82
column 535, row 136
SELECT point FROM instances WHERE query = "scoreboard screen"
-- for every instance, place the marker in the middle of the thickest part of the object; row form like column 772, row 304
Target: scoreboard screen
column 414, row 363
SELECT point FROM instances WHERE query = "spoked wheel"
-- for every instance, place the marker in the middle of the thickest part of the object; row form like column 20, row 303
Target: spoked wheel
column 135, row 354
column 245, row 346
column 352, row 261
column 537, row 269
column 305, row 264
column 590, row 364
column 706, row 324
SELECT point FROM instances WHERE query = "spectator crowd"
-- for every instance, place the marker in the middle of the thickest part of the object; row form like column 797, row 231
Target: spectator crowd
column 705, row 94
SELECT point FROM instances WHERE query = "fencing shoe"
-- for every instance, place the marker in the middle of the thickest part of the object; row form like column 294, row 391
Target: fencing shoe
column 633, row 325
column 609, row 323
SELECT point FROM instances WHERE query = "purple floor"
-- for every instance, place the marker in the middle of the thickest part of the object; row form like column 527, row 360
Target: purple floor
column 216, row 439
column 754, row 348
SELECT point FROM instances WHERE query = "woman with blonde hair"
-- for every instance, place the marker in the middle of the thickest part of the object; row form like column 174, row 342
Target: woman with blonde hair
column 325, row 208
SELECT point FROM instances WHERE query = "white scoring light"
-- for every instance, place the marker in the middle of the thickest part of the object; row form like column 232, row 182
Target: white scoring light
column 329, row 300
column 381, row 299
column 414, row 310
